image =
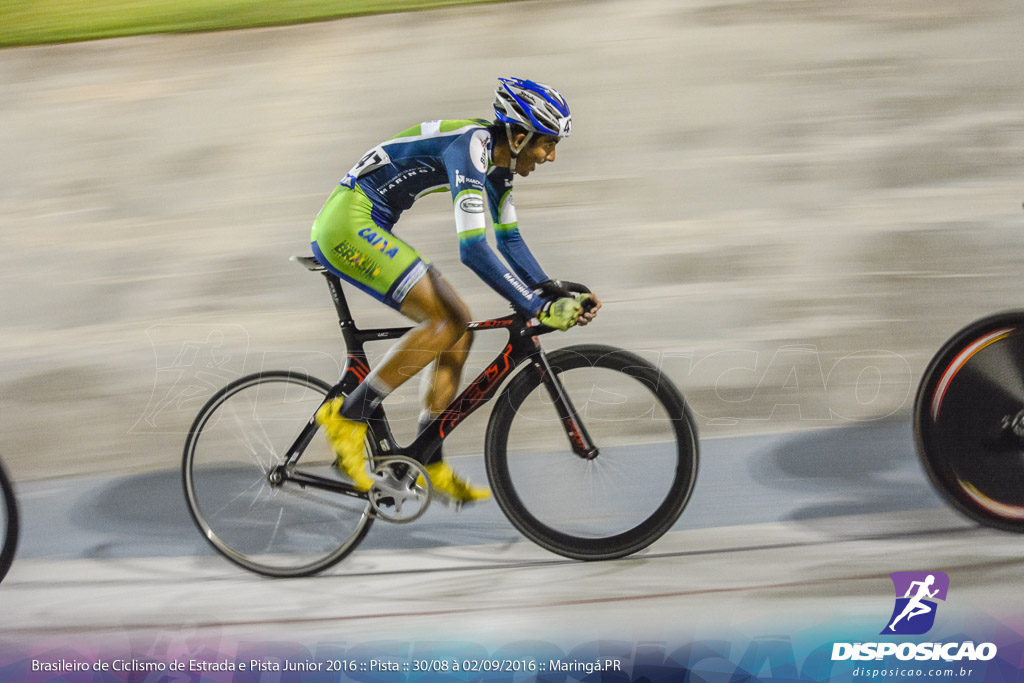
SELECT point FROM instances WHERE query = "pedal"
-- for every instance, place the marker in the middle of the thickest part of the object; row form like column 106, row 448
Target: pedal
column 396, row 496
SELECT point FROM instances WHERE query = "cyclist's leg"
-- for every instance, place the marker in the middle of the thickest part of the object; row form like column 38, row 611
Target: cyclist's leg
column 442, row 320
column 443, row 383
column 442, row 336
column 447, row 372
column 347, row 239
column 349, row 242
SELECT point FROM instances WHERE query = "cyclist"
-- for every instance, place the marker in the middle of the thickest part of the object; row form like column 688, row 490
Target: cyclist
column 352, row 237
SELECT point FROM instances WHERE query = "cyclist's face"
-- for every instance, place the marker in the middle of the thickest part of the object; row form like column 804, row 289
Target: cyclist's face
column 541, row 150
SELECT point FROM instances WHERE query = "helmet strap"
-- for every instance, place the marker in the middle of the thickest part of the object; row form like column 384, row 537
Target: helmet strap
column 513, row 150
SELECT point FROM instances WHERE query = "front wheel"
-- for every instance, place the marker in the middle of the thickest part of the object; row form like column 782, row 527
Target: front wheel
column 969, row 421
column 627, row 496
column 269, row 526
column 8, row 523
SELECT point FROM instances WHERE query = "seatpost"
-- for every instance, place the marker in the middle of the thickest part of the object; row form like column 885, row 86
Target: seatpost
column 340, row 304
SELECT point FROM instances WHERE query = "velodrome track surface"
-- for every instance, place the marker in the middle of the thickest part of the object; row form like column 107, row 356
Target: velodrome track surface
column 780, row 527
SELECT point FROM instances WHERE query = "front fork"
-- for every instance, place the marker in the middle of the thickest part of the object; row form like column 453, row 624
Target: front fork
column 579, row 439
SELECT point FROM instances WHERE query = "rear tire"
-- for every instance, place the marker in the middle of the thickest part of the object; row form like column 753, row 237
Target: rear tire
column 239, row 436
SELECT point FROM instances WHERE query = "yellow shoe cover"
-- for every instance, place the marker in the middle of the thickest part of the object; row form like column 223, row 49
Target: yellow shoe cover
column 444, row 479
column 347, row 439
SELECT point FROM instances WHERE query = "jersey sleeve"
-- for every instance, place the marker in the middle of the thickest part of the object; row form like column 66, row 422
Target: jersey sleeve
column 510, row 243
column 466, row 162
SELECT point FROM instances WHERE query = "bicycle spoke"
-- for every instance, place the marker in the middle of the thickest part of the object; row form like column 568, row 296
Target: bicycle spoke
column 247, row 436
column 266, row 441
column 276, row 529
column 255, row 484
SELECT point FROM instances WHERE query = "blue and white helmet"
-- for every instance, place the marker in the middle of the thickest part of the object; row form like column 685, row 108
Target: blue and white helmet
column 536, row 107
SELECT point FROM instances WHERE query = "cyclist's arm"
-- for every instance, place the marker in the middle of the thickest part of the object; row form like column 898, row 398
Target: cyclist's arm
column 477, row 254
column 466, row 166
column 518, row 255
column 510, row 242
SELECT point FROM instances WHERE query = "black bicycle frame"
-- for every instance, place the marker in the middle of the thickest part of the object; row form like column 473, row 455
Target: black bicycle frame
column 523, row 346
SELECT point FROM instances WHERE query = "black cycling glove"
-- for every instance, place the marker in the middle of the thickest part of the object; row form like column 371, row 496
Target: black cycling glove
column 560, row 289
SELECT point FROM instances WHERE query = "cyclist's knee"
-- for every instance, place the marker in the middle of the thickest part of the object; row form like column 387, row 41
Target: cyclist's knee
column 455, row 309
column 432, row 300
column 453, row 316
column 447, row 329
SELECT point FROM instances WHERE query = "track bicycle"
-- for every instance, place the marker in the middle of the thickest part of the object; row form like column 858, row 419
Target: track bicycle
column 590, row 451
column 969, row 421
column 8, row 522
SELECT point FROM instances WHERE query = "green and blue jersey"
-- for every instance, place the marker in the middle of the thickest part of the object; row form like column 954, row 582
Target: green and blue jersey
column 454, row 155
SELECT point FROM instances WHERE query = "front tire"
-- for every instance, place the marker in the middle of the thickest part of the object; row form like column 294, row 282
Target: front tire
column 973, row 385
column 631, row 493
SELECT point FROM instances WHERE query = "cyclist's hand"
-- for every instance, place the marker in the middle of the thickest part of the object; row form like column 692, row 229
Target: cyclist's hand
column 556, row 289
column 589, row 306
column 561, row 314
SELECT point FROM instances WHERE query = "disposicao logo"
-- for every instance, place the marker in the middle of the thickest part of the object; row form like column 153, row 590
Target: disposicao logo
column 912, row 615
column 916, row 592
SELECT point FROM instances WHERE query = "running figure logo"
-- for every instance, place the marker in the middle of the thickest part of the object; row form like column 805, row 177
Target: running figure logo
column 914, row 612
